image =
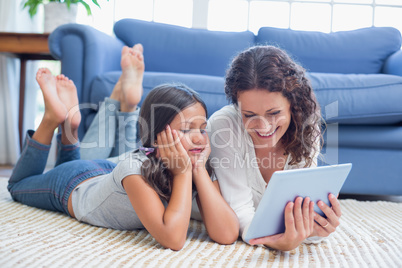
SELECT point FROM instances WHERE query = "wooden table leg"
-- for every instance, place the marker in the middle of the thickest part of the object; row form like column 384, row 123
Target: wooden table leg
column 22, row 100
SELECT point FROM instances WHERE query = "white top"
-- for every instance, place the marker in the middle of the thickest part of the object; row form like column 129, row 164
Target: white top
column 235, row 164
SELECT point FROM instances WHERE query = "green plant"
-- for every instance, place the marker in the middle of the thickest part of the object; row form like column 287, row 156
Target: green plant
column 33, row 4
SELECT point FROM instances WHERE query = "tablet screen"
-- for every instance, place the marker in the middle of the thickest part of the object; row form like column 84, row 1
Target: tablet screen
column 285, row 186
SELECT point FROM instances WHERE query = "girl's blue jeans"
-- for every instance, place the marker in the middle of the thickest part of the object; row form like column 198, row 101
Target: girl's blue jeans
column 111, row 133
column 51, row 190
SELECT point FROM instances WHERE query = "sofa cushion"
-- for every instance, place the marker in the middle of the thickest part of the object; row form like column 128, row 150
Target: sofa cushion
column 364, row 136
column 360, row 51
column 359, row 98
column 210, row 88
column 376, row 172
column 344, row 98
column 178, row 49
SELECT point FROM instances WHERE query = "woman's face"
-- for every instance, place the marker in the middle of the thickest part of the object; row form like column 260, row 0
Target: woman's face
column 191, row 123
column 266, row 116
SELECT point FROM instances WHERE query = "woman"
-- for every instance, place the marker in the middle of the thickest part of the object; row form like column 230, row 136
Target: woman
column 272, row 124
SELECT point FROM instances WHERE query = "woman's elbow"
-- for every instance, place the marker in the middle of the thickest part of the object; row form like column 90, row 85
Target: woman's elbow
column 175, row 247
column 225, row 238
column 225, row 234
column 174, row 243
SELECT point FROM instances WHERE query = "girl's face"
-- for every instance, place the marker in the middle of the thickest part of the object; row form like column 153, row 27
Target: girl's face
column 266, row 116
column 191, row 123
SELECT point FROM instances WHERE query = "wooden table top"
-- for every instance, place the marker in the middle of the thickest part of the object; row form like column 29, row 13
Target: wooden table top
column 24, row 43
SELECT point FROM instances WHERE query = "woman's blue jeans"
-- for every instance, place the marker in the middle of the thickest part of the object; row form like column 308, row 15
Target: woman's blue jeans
column 51, row 190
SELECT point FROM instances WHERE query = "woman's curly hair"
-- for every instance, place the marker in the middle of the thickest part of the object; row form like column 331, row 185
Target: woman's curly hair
column 270, row 68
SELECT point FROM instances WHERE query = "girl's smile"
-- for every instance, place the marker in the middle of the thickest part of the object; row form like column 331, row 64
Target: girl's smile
column 196, row 150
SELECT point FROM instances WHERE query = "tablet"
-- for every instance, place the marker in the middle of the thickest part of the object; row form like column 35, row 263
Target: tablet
column 284, row 186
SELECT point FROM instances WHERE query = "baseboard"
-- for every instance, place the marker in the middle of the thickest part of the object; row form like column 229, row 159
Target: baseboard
column 364, row 197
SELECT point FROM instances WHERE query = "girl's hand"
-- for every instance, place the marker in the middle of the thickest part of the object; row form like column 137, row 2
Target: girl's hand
column 172, row 152
column 201, row 159
column 324, row 227
column 299, row 224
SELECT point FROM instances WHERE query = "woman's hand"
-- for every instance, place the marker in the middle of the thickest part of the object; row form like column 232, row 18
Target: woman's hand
column 172, row 152
column 299, row 224
column 325, row 226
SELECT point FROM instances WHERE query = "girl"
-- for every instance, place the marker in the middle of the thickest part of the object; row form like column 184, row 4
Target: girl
column 272, row 124
column 113, row 131
column 151, row 189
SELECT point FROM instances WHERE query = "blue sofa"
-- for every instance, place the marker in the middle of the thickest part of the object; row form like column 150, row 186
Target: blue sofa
column 356, row 75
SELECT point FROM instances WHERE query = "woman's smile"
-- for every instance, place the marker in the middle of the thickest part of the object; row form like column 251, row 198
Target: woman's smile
column 266, row 135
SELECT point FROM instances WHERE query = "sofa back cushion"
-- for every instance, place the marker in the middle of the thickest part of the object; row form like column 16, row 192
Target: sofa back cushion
column 359, row 51
column 210, row 88
column 176, row 49
column 359, row 99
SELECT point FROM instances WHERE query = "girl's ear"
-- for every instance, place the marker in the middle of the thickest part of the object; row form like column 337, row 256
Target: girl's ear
column 156, row 149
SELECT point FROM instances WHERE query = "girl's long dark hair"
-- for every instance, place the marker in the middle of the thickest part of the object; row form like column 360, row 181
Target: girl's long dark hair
column 158, row 110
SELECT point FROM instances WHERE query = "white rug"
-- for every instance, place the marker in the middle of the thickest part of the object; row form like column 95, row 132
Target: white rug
column 370, row 235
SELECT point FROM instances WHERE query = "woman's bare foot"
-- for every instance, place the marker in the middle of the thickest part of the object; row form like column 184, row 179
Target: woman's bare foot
column 67, row 93
column 55, row 111
column 132, row 64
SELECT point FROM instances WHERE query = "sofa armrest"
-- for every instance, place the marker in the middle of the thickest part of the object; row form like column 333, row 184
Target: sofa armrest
column 393, row 64
column 84, row 53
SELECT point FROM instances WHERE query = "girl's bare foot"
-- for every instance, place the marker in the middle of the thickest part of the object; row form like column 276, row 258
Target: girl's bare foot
column 55, row 111
column 67, row 93
column 116, row 91
column 54, row 108
column 132, row 64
